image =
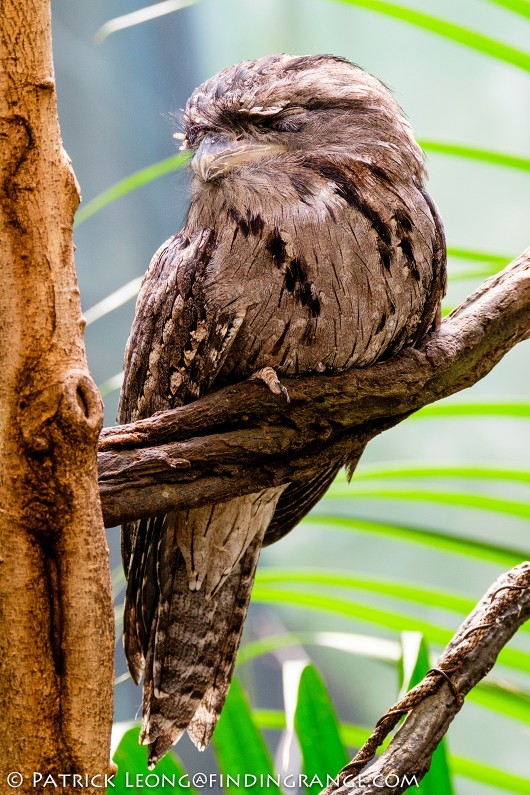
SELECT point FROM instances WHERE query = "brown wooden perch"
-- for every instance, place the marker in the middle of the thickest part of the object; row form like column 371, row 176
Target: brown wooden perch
column 243, row 438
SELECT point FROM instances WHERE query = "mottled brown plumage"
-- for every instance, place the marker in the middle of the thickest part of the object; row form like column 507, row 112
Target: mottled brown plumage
column 310, row 245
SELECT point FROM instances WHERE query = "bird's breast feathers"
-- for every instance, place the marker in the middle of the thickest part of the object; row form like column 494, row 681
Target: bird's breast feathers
column 332, row 266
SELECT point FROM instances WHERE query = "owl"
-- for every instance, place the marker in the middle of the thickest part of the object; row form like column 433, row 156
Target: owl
column 310, row 246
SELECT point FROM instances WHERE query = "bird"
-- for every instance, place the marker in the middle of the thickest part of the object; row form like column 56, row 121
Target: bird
column 310, row 245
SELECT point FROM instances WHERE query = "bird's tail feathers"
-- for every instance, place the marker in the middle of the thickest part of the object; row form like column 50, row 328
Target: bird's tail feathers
column 191, row 655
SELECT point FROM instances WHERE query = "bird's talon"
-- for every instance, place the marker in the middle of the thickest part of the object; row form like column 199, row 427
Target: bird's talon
column 284, row 392
column 269, row 377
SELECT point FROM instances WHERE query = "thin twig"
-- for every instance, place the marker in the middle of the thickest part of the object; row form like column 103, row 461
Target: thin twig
column 433, row 703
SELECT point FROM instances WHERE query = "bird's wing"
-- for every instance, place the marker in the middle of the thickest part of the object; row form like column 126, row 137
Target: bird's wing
column 297, row 500
column 178, row 343
column 176, row 348
column 439, row 260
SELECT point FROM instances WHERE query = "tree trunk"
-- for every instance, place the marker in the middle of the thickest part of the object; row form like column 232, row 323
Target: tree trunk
column 56, row 621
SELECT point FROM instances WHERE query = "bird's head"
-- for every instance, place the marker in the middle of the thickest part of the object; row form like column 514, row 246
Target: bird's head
column 283, row 108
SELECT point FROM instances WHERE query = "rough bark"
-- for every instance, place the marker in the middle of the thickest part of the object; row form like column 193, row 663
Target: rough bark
column 56, row 622
column 243, row 438
column 432, row 705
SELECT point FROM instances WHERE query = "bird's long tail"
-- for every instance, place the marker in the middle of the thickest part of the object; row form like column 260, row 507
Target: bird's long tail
column 191, row 657
column 189, row 586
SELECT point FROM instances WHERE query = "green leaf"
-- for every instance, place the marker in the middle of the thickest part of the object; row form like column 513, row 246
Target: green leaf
column 421, row 469
column 414, row 665
column 483, row 263
column 490, row 156
column 472, row 255
column 113, row 300
column 135, row 778
column 448, row 30
column 491, row 776
column 492, row 408
column 353, row 643
column 462, row 275
column 317, row 729
column 118, row 581
column 269, row 718
column 240, row 748
column 390, row 619
column 436, row 539
column 433, row 597
column 480, row 502
column 112, row 384
column 352, row 736
column 118, row 614
column 129, row 184
column 140, row 16
column 505, row 699
column 521, row 7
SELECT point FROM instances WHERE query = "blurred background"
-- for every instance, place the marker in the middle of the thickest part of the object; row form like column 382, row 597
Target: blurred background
column 440, row 506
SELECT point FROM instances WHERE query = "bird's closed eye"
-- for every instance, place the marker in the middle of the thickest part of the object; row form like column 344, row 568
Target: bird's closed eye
column 280, row 122
column 287, row 124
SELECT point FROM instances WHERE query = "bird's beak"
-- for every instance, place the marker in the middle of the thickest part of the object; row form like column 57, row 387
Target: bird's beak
column 218, row 154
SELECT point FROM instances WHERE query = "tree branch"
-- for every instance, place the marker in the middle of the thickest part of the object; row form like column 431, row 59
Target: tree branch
column 243, row 438
column 431, row 705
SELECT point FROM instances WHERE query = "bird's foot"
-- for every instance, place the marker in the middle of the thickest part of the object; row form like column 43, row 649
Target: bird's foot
column 269, row 377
